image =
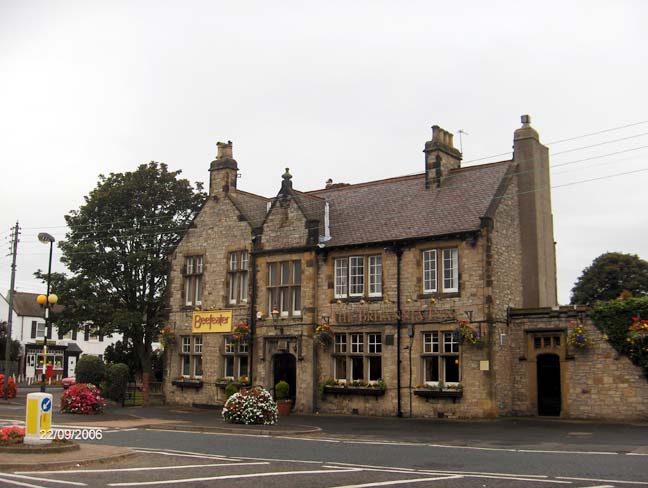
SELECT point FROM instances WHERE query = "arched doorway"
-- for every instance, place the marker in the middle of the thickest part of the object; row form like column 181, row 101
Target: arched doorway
column 549, row 398
column 285, row 368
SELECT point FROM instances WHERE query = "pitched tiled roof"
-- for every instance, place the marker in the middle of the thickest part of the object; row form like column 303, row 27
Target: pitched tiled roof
column 252, row 207
column 25, row 305
column 401, row 208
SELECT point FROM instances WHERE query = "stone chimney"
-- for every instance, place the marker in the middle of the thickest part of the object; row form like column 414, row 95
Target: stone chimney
column 536, row 218
column 440, row 157
column 223, row 170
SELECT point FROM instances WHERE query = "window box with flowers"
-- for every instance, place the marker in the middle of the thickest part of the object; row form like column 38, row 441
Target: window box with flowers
column 242, row 382
column 359, row 388
column 578, row 337
column 439, row 391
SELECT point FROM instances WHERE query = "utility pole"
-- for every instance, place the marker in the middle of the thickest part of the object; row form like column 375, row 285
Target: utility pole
column 14, row 252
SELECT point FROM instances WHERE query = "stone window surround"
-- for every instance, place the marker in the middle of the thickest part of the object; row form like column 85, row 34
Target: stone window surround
column 274, row 292
column 192, row 353
column 192, row 276
column 366, row 284
column 368, row 349
column 439, row 271
column 237, row 276
column 232, row 354
column 440, row 355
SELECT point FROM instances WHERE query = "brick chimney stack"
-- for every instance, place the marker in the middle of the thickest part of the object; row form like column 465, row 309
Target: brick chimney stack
column 440, row 157
column 223, row 171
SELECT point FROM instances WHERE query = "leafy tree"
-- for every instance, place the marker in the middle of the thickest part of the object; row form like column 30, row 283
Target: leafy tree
column 90, row 369
column 14, row 348
column 117, row 247
column 609, row 276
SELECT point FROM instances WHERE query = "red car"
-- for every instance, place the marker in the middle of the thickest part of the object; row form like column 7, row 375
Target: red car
column 67, row 382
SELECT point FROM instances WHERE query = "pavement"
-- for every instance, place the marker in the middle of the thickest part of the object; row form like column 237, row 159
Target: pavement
column 545, row 433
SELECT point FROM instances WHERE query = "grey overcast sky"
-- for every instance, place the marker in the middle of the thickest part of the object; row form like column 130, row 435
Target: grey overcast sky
column 345, row 90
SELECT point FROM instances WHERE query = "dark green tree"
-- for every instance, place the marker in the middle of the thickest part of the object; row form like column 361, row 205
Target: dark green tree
column 14, row 348
column 117, row 247
column 610, row 275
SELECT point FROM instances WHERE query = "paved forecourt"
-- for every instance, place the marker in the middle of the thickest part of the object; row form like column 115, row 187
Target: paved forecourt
column 152, row 467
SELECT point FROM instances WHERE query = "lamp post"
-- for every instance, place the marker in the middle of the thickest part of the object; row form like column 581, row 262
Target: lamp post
column 46, row 301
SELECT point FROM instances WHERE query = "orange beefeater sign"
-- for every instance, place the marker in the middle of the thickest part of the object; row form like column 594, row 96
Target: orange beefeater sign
column 214, row 321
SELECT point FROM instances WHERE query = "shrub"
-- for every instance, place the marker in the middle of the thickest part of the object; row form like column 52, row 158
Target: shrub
column 12, row 387
column 281, row 390
column 11, row 435
column 253, row 406
column 230, row 389
column 90, row 369
column 116, row 381
column 616, row 319
column 82, row 398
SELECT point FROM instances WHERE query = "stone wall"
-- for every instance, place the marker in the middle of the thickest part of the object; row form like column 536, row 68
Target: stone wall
column 596, row 383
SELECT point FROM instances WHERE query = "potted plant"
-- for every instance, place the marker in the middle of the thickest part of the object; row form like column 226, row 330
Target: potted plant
column 284, row 404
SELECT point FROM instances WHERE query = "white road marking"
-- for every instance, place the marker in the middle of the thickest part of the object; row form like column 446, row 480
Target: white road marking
column 232, row 477
column 209, row 433
column 398, row 482
column 636, row 454
column 146, row 468
column 333, row 441
column 119, row 430
column 154, row 450
column 599, row 486
column 177, row 454
column 600, row 453
column 486, row 473
column 625, row 482
column 19, row 483
column 33, row 478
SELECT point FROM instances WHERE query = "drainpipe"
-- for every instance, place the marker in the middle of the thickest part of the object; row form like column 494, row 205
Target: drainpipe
column 399, row 323
column 253, row 276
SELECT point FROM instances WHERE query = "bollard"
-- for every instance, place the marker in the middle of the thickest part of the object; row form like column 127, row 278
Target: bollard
column 38, row 422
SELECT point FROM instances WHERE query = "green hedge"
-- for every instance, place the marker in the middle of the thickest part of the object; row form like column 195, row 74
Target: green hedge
column 614, row 319
column 116, row 381
column 90, row 369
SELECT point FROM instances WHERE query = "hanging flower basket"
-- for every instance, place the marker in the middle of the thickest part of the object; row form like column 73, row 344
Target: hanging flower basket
column 167, row 338
column 241, row 333
column 465, row 334
column 323, row 335
column 578, row 336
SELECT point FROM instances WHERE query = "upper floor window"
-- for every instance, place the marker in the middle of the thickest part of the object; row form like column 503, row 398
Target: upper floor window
column 284, row 288
column 358, row 276
column 193, row 280
column 238, row 277
column 449, row 265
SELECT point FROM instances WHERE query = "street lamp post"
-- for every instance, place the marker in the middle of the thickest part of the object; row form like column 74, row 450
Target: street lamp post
column 46, row 301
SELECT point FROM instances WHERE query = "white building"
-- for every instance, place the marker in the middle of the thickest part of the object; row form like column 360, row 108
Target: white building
column 63, row 350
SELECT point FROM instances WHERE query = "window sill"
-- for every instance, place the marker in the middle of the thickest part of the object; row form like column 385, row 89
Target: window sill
column 430, row 393
column 439, row 294
column 353, row 390
column 223, row 384
column 196, row 384
column 376, row 299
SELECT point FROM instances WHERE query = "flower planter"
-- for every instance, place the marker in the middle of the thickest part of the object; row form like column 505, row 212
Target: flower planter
column 188, row 384
column 223, row 384
column 430, row 393
column 353, row 390
column 284, row 407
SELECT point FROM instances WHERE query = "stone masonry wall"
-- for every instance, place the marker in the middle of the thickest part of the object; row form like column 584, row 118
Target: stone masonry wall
column 217, row 231
column 596, row 383
column 285, row 226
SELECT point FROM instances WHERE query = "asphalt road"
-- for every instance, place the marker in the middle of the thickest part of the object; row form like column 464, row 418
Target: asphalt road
column 210, row 459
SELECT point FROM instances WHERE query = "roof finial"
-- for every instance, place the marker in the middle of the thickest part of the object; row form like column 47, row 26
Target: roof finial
column 287, row 175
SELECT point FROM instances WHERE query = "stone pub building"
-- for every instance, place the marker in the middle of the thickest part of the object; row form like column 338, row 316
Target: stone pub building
column 439, row 288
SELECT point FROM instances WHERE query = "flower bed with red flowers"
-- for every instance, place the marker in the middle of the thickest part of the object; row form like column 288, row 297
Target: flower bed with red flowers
column 12, row 387
column 11, row 435
column 83, row 398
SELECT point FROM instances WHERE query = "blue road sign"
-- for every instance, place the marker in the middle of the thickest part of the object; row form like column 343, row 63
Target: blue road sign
column 46, row 405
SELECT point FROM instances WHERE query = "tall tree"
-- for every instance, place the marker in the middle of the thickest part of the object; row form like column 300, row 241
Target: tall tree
column 609, row 276
column 117, row 247
column 14, row 348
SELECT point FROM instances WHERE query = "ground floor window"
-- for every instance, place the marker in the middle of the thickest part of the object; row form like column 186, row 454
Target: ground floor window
column 440, row 358
column 235, row 360
column 357, row 357
column 191, row 355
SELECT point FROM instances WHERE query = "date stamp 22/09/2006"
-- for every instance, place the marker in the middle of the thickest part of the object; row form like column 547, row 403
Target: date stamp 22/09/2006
column 71, row 434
